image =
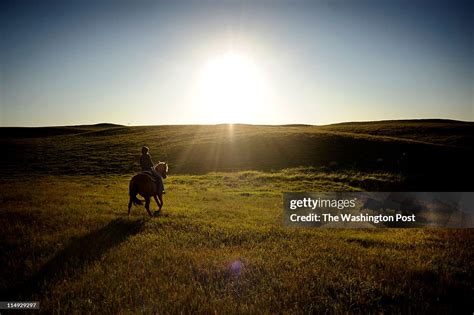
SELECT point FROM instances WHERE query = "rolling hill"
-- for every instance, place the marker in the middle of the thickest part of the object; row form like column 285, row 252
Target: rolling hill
column 431, row 154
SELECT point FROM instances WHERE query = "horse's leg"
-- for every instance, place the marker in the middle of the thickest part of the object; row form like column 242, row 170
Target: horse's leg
column 160, row 196
column 129, row 206
column 147, row 205
column 157, row 202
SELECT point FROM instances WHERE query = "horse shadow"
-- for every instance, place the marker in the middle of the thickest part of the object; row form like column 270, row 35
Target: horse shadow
column 78, row 254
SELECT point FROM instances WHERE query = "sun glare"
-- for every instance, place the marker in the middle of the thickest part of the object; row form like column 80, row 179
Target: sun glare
column 231, row 89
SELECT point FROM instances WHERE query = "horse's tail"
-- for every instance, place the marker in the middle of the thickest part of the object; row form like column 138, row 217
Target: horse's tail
column 133, row 193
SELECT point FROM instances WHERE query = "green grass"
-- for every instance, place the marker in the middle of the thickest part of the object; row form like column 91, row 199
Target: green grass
column 434, row 131
column 70, row 245
column 438, row 156
column 66, row 240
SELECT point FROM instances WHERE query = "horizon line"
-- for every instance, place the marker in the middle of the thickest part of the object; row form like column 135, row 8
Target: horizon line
column 249, row 124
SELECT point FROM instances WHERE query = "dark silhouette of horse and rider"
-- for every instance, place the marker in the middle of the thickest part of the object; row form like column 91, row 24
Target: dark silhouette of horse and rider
column 148, row 183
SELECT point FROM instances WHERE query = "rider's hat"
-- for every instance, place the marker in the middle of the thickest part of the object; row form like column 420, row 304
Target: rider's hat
column 145, row 149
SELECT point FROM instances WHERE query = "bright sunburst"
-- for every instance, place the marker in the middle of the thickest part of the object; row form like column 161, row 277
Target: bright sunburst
column 231, row 88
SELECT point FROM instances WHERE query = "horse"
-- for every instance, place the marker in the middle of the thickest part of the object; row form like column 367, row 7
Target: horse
column 144, row 185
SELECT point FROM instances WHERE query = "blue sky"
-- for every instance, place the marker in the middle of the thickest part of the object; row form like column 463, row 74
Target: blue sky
column 141, row 62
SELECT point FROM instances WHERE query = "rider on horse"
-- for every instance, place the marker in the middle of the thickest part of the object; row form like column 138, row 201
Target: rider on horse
column 148, row 166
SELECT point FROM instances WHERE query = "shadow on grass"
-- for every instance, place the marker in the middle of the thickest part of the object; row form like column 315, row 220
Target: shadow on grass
column 80, row 252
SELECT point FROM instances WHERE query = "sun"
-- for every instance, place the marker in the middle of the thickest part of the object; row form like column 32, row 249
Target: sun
column 231, row 89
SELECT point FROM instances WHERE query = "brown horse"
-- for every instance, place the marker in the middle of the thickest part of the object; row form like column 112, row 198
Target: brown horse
column 144, row 185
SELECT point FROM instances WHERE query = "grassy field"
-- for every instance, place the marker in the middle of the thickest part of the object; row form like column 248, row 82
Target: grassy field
column 219, row 245
column 438, row 154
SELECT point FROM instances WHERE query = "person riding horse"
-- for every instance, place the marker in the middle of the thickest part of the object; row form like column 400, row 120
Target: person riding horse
column 148, row 166
column 148, row 184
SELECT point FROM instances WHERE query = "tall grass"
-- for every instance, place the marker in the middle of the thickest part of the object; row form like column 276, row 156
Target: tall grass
column 218, row 247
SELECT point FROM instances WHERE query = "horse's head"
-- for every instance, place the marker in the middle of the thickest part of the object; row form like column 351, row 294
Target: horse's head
column 162, row 169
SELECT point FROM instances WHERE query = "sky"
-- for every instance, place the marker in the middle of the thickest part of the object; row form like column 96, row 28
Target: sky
column 147, row 62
